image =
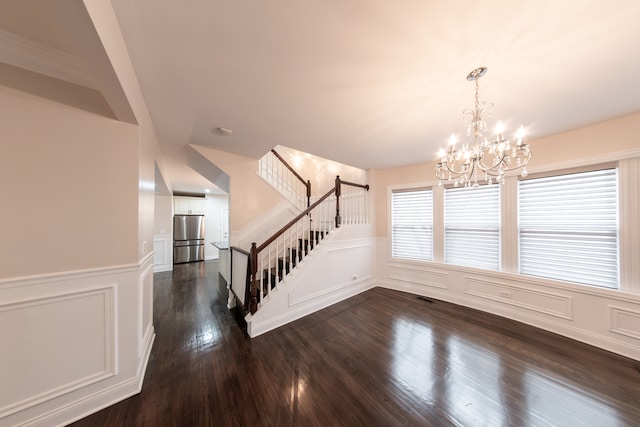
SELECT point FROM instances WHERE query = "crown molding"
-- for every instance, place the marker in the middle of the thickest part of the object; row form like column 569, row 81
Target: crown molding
column 40, row 58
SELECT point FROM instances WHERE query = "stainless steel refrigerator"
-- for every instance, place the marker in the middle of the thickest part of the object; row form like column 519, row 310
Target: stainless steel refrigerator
column 188, row 238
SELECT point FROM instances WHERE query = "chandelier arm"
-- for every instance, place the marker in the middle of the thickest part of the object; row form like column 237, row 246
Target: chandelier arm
column 488, row 169
column 453, row 172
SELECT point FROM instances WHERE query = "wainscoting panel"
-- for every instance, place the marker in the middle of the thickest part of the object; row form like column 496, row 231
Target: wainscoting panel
column 624, row 321
column 163, row 252
column 553, row 304
column 73, row 342
column 146, row 305
column 418, row 275
column 40, row 336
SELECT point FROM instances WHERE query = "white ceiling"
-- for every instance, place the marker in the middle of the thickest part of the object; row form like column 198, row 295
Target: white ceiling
column 369, row 83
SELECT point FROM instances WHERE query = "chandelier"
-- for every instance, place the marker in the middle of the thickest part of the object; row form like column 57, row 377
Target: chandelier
column 479, row 159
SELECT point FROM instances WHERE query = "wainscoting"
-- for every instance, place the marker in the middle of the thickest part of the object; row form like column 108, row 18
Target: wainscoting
column 73, row 342
column 163, row 252
column 340, row 267
column 601, row 317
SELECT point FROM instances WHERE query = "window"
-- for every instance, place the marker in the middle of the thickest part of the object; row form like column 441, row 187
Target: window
column 472, row 226
column 412, row 224
column 568, row 227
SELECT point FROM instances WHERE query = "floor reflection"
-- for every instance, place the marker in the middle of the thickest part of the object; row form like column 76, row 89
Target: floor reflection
column 413, row 357
column 473, row 390
column 541, row 393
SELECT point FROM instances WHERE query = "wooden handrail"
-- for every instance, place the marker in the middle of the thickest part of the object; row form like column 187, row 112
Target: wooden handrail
column 306, row 183
column 293, row 221
column 353, row 184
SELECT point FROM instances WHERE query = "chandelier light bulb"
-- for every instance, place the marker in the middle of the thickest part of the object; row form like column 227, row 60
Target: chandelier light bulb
column 499, row 129
column 520, row 134
column 452, row 140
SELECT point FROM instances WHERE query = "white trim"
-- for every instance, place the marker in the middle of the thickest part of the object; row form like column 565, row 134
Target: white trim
column 125, row 364
column 419, row 269
column 108, row 396
column 525, row 280
column 331, row 290
column 567, row 313
column 61, row 276
column 256, row 328
column 149, row 339
column 163, row 247
column 614, row 321
column 629, row 226
column 583, row 161
column 110, row 339
column 142, row 277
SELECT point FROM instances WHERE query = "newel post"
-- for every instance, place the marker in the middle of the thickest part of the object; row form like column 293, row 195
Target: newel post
column 338, row 189
column 308, row 193
column 253, row 260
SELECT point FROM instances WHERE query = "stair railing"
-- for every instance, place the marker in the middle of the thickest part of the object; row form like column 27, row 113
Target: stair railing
column 281, row 175
column 271, row 261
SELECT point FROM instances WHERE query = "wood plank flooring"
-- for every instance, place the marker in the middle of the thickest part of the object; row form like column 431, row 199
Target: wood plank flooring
column 382, row 358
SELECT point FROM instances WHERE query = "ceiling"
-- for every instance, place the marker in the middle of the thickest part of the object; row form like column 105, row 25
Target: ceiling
column 369, row 83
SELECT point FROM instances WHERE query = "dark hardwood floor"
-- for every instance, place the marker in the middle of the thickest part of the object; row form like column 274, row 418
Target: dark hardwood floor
column 382, row 358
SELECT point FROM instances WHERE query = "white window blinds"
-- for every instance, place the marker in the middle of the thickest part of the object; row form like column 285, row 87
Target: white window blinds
column 472, row 226
column 568, row 227
column 412, row 224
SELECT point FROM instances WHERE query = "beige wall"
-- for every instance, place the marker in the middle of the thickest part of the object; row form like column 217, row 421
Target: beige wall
column 592, row 142
column 249, row 195
column 68, row 180
column 163, row 209
column 108, row 30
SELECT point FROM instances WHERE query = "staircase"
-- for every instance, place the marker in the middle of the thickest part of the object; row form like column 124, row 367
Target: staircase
column 265, row 267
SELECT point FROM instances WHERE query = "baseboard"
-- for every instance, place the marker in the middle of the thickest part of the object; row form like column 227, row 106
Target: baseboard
column 86, row 406
column 256, row 328
column 149, row 339
column 162, row 268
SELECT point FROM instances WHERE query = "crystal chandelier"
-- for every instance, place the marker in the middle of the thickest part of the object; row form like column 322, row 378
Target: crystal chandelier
column 479, row 159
